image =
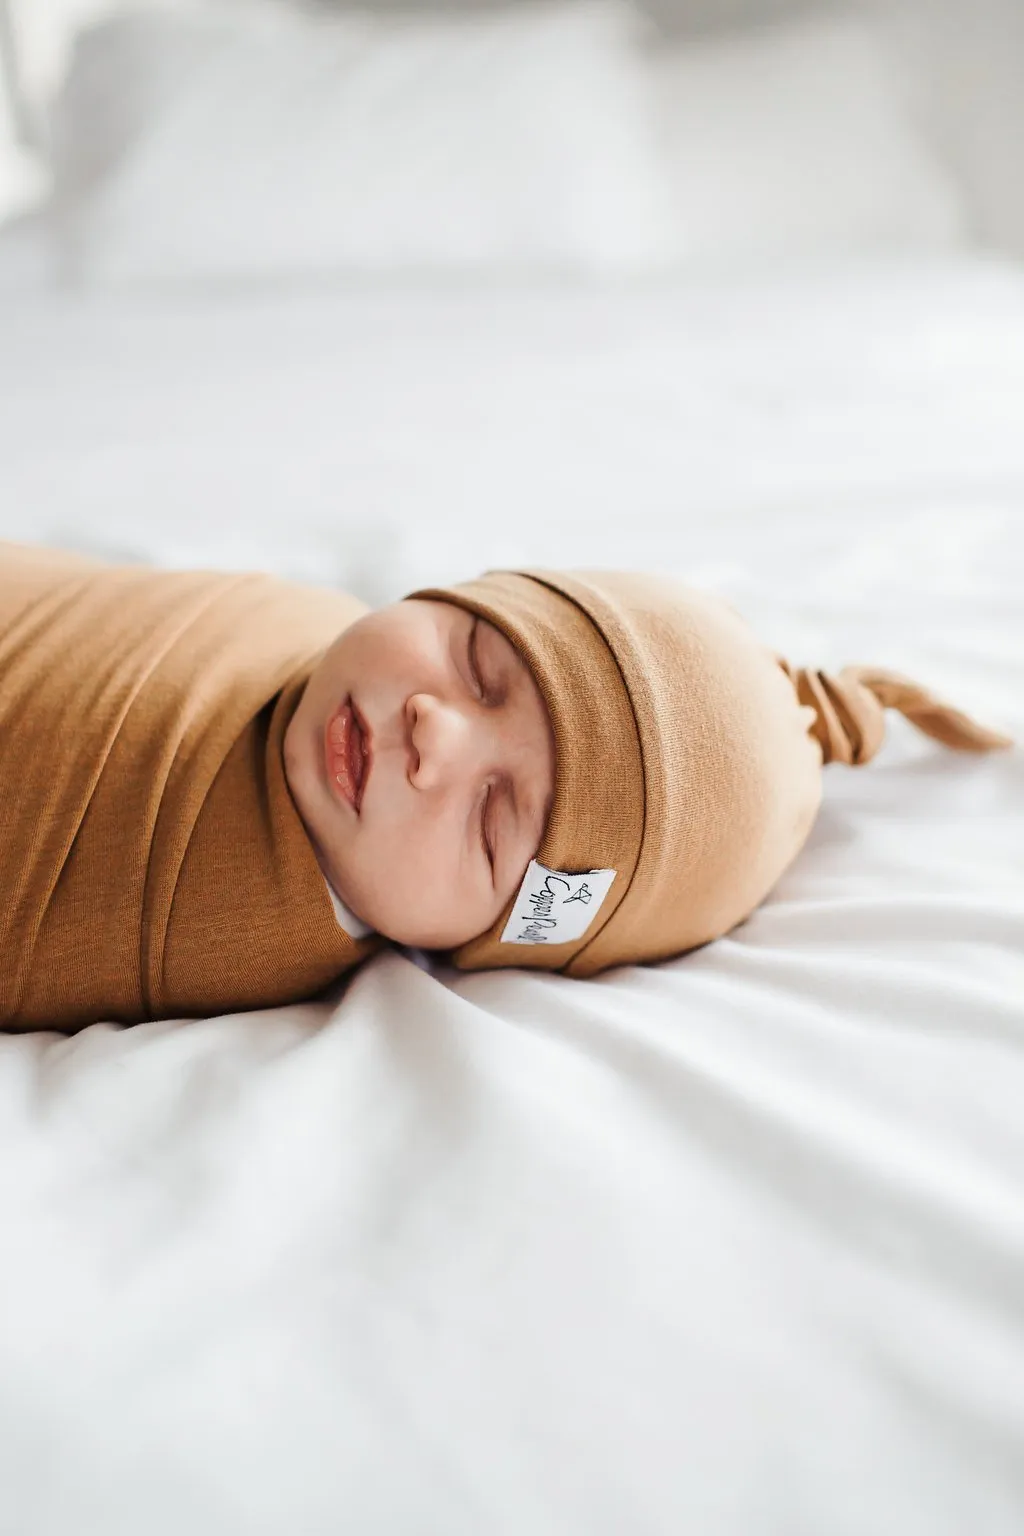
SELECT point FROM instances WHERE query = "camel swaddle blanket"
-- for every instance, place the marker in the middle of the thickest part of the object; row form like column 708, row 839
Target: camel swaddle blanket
column 152, row 861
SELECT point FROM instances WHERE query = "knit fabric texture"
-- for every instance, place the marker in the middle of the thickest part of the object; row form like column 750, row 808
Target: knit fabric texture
column 152, row 861
column 688, row 755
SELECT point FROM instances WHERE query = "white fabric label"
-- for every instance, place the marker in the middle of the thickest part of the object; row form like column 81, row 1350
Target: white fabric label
column 553, row 907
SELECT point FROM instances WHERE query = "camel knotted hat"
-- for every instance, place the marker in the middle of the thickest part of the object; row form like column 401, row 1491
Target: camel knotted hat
column 688, row 762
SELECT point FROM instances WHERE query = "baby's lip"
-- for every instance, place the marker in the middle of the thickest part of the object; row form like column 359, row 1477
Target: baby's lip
column 347, row 753
column 366, row 739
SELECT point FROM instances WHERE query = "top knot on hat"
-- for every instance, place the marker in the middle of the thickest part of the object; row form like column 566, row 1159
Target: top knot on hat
column 850, row 710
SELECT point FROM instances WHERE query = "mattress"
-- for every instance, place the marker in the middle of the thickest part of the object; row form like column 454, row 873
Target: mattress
column 732, row 1244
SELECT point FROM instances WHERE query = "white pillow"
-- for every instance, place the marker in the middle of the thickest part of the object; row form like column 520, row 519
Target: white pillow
column 262, row 143
column 796, row 141
column 22, row 177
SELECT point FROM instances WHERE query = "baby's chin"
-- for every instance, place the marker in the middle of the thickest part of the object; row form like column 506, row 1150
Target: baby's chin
column 406, row 924
column 410, row 932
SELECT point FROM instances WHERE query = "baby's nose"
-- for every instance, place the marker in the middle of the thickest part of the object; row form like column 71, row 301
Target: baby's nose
column 440, row 741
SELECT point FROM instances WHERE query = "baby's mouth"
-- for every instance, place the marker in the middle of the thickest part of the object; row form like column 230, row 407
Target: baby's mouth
column 347, row 753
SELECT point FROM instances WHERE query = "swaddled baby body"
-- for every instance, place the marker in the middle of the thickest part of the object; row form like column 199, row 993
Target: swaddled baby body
column 221, row 792
column 152, row 861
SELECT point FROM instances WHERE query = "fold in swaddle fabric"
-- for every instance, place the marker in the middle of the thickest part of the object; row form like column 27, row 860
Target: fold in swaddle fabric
column 152, row 861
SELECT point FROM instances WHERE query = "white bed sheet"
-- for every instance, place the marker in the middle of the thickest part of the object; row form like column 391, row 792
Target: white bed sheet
column 734, row 1245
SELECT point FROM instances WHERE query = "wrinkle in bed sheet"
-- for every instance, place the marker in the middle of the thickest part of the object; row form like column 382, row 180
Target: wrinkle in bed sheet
column 731, row 1245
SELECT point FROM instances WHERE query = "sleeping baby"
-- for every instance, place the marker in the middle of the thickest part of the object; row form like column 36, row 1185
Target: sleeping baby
column 220, row 792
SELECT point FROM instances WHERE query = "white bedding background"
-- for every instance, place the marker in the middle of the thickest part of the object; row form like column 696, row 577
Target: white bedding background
column 733, row 1245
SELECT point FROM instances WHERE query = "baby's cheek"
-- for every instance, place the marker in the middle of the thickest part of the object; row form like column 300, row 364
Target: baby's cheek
column 421, row 889
column 398, row 875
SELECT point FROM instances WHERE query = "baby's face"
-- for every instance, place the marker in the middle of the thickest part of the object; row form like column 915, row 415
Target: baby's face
column 421, row 760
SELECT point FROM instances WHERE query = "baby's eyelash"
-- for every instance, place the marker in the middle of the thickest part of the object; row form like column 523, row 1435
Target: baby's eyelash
column 481, row 690
column 483, row 829
column 494, row 691
column 474, row 660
